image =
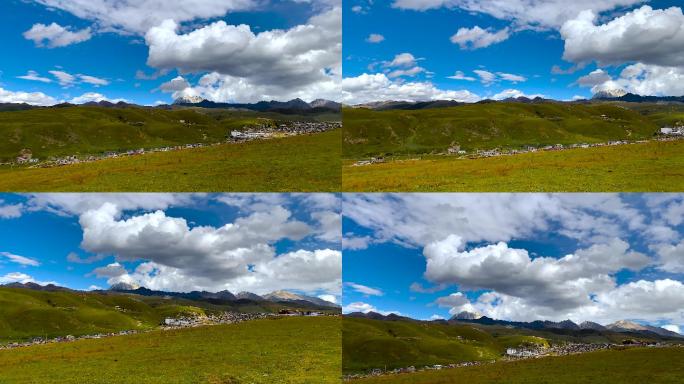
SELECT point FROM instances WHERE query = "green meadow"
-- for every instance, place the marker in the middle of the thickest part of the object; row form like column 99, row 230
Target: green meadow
column 646, row 167
column 634, row 365
column 305, row 163
column 27, row 313
column 282, row 350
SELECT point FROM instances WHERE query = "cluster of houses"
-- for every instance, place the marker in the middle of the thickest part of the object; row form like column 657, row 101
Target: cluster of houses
column 295, row 312
column 672, row 131
column 64, row 339
column 372, row 160
column 198, row 320
column 291, row 128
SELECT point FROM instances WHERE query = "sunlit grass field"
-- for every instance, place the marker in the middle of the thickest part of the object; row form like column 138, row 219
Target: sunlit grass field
column 648, row 167
column 285, row 350
column 644, row 365
column 294, row 164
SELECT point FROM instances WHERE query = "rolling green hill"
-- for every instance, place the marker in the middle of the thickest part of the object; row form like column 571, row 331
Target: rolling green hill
column 486, row 126
column 26, row 313
column 370, row 344
column 294, row 350
column 83, row 130
column 638, row 365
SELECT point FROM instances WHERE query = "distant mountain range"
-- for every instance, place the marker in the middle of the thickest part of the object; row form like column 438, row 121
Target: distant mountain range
column 226, row 296
column 632, row 98
column 618, row 326
column 286, row 107
column 622, row 326
column 607, row 95
column 318, row 105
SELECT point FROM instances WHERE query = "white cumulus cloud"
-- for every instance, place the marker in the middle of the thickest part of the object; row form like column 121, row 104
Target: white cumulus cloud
column 55, row 35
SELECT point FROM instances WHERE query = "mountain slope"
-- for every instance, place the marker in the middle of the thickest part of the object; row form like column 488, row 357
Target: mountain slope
column 83, row 130
column 376, row 341
column 488, row 125
column 369, row 343
column 629, row 326
column 30, row 310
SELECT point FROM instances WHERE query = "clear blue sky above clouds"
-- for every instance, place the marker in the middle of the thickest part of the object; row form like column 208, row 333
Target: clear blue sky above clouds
column 184, row 242
column 597, row 257
column 106, row 40
column 516, row 43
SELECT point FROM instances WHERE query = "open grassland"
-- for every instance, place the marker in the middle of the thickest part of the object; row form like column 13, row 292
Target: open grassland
column 487, row 126
column 26, row 313
column 300, row 163
column 648, row 167
column 643, row 365
column 370, row 344
column 285, row 350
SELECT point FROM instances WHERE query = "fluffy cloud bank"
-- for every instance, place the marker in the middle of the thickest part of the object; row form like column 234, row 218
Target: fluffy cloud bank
column 645, row 35
column 627, row 255
column 138, row 16
column 159, row 251
column 556, row 283
column 648, row 301
column 360, row 306
column 243, row 66
column 640, row 79
column 93, row 96
column 525, row 13
column 419, row 219
column 32, row 98
column 378, row 87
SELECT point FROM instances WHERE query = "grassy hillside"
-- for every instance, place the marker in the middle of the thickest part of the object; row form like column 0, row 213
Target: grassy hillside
column 485, row 126
column 650, row 167
column 300, row 163
column 654, row 366
column 25, row 313
column 83, row 130
column 370, row 344
column 286, row 350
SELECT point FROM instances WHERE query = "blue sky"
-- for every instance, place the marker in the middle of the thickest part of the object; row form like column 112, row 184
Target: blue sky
column 597, row 257
column 523, row 38
column 106, row 39
column 257, row 243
